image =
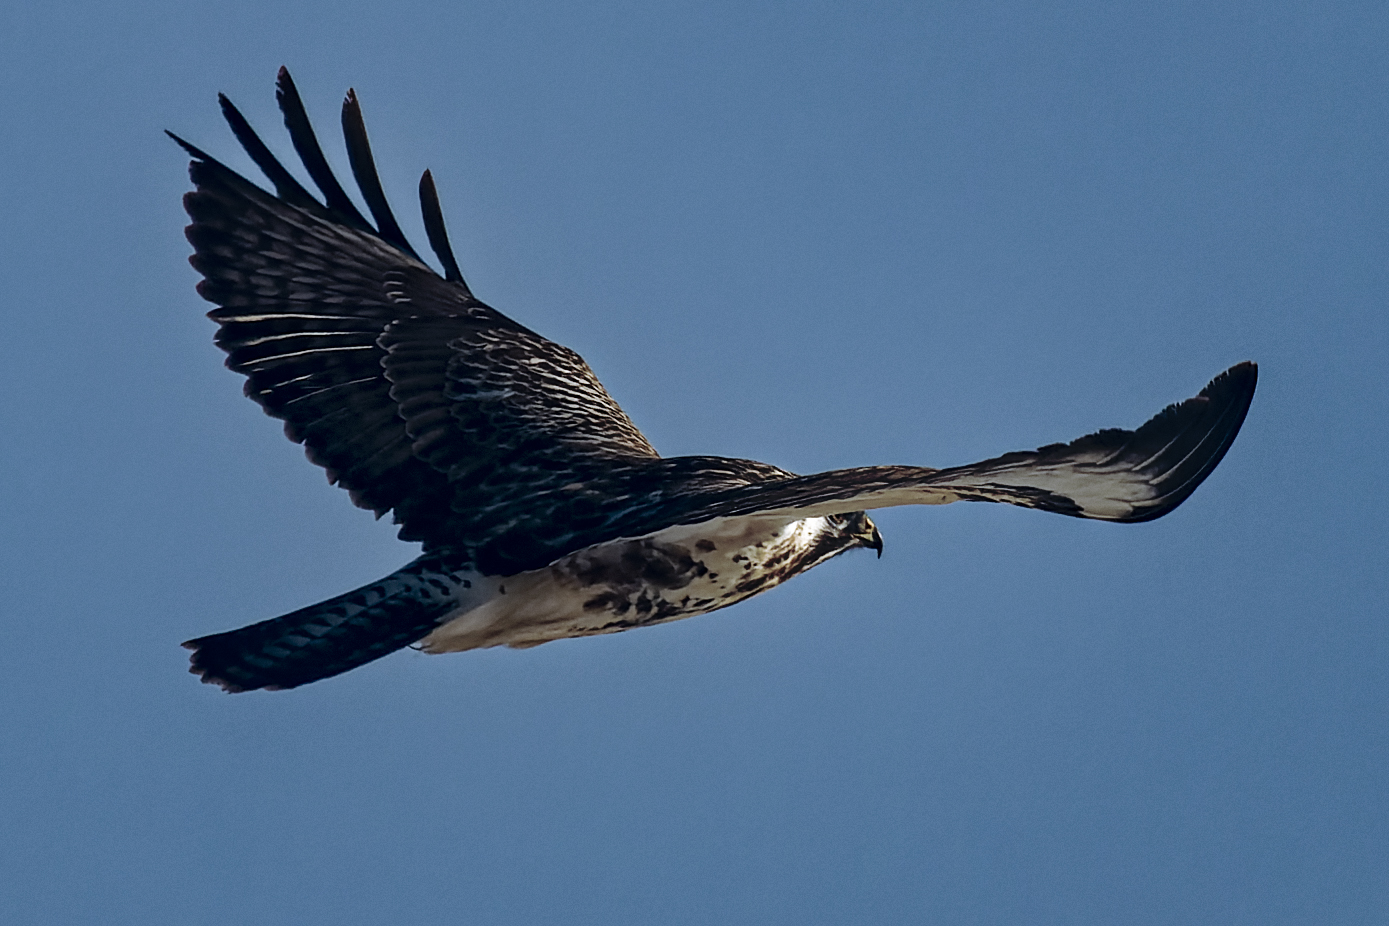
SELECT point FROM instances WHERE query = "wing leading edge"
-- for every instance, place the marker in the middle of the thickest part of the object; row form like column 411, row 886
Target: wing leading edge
column 1111, row 475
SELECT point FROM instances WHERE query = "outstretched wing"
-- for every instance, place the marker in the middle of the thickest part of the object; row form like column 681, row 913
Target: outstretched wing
column 401, row 384
column 1112, row 475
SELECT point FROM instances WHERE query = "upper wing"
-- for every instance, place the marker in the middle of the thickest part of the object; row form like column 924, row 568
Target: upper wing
column 400, row 383
column 1112, row 475
column 534, row 416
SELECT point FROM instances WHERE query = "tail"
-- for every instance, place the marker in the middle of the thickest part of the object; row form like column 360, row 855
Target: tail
column 332, row 636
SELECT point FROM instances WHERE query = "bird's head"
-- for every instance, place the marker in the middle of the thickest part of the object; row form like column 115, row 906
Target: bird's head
column 857, row 528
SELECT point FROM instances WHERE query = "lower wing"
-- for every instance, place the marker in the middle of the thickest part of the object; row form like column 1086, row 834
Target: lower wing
column 1111, row 475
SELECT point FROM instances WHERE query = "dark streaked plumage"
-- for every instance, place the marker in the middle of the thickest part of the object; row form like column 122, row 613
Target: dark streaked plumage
column 543, row 511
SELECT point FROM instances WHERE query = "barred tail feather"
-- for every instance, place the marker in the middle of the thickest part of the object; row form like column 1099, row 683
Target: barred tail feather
column 332, row 636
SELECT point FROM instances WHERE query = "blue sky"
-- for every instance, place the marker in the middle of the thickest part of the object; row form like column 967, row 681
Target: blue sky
column 819, row 235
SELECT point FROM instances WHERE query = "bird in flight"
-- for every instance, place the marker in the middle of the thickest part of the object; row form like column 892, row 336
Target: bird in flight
column 543, row 512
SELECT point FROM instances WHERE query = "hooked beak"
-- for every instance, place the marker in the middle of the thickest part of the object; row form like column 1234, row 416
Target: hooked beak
column 874, row 541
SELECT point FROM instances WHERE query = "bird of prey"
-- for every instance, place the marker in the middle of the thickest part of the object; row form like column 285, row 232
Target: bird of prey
column 543, row 512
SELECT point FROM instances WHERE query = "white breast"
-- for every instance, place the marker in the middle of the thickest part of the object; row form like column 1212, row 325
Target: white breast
column 615, row 586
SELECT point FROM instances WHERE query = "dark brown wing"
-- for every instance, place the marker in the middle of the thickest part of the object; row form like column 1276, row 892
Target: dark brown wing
column 336, row 323
column 1112, row 475
column 535, row 416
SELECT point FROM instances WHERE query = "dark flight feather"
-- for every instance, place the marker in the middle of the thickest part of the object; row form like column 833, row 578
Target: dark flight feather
column 434, row 228
column 288, row 189
column 354, row 130
column 301, row 134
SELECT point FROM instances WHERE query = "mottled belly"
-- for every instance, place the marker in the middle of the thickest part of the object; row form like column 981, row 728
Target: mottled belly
column 617, row 586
